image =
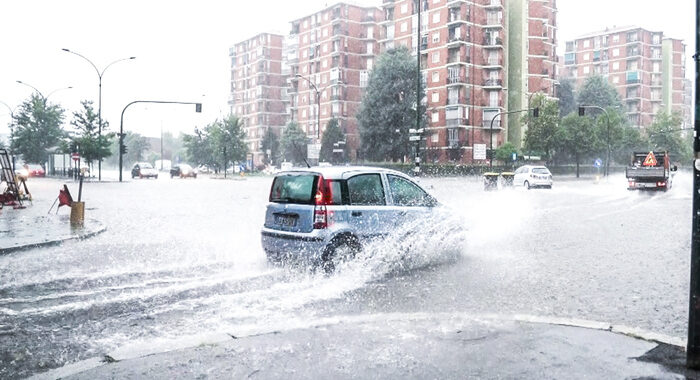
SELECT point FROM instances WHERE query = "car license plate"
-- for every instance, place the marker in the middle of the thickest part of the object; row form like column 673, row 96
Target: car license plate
column 286, row 220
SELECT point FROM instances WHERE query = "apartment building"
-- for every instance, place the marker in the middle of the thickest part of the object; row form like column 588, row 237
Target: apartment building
column 330, row 55
column 258, row 88
column 463, row 63
column 646, row 68
column 532, row 58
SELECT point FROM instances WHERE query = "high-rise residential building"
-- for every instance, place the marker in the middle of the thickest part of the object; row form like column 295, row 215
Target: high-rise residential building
column 532, row 58
column 463, row 62
column 646, row 68
column 335, row 50
column 258, row 88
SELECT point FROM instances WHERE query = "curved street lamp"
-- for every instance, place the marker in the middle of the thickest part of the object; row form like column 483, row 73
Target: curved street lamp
column 44, row 98
column 318, row 104
column 99, row 103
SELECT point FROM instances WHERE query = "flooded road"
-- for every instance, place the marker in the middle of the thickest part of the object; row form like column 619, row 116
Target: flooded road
column 182, row 258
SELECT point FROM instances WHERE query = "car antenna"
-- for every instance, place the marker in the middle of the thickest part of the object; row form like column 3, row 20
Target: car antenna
column 294, row 144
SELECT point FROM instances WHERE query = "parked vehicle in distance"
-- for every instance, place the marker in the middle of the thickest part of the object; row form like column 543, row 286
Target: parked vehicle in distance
column 183, row 171
column 323, row 215
column 203, row 169
column 143, row 170
column 22, row 173
column 530, row 176
column 650, row 171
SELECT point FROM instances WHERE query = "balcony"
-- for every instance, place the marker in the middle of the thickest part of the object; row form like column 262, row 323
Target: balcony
column 456, row 122
column 494, row 4
column 490, row 42
column 487, row 124
column 493, row 83
column 457, row 17
column 456, row 79
column 494, row 61
column 494, row 22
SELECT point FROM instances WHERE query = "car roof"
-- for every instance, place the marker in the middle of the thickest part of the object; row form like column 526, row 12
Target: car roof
column 340, row 172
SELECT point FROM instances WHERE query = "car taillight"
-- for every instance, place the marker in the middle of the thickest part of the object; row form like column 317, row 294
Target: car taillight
column 324, row 196
column 631, row 184
column 660, row 184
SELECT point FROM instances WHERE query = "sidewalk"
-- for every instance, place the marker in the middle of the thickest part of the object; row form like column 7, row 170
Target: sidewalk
column 397, row 346
column 32, row 227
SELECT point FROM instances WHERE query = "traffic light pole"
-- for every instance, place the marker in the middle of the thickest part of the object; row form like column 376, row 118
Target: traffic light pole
column 122, row 150
column 693, row 347
column 536, row 113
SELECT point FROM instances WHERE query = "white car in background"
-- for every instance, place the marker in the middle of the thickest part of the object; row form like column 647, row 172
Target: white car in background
column 530, row 176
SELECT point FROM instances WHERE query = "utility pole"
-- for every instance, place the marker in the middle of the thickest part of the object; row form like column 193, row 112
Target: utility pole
column 418, row 97
column 693, row 348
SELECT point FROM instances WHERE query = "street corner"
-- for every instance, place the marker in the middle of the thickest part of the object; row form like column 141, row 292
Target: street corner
column 23, row 231
column 416, row 345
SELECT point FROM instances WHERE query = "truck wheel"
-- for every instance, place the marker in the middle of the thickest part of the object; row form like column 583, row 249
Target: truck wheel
column 339, row 251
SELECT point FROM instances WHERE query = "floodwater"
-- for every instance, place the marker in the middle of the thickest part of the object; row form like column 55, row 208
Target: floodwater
column 182, row 259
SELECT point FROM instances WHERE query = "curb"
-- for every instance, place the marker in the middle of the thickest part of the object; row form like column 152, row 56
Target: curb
column 81, row 236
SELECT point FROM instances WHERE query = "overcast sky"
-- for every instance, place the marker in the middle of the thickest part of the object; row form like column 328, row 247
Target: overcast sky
column 182, row 49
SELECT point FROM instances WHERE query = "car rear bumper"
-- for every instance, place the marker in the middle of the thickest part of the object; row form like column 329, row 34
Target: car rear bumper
column 282, row 246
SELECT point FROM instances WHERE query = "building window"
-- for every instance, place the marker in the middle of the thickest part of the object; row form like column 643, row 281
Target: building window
column 435, row 97
column 616, row 79
column 435, row 137
column 436, row 17
column 616, row 38
column 404, row 8
column 370, row 63
column 586, row 43
column 586, row 69
column 586, row 56
column 404, row 26
column 364, row 78
column 436, row 57
column 436, row 38
column 493, row 98
column 325, row 32
column 616, row 65
column 305, row 39
column 436, row 76
column 435, row 116
column 616, row 52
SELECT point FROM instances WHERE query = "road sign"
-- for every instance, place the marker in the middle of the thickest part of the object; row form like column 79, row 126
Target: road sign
column 337, row 151
column 75, row 156
column 413, row 138
column 313, row 151
column 650, row 160
column 515, row 156
column 479, row 151
column 598, row 163
column 411, row 130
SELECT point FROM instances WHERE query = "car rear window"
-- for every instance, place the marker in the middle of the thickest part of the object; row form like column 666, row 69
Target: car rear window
column 293, row 188
column 540, row 170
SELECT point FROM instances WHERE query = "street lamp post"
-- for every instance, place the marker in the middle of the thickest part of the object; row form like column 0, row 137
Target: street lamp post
column 581, row 112
column 99, row 103
column 318, row 105
column 536, row 113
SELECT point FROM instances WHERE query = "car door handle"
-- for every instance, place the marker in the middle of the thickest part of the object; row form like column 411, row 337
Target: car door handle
column 356, row 213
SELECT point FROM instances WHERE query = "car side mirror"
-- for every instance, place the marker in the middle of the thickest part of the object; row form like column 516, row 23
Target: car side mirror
column 430, row 201
column 674, row 168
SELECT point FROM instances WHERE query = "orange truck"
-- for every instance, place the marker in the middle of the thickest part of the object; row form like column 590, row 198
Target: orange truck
column 650, row 171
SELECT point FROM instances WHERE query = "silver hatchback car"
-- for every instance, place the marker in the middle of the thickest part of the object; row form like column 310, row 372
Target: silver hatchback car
column 323, row 215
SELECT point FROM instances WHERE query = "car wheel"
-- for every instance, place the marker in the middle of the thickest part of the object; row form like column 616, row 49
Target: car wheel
column 156, row 177
column 340, row 250
column 527, row 185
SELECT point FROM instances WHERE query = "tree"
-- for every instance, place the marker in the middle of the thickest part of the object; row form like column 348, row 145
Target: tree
column 664, row 134
column 596, row 91
column 388, row 107
column 293, row 143
column 92, row 146
column 271, row 143
column 37, row 128
column 567, row 99
column 227, row 140
column 542, row 130
column 136, row 145
column 577, row 138
column 197, row 147
column 612, row 133
column 505, row 152
column 331, row 136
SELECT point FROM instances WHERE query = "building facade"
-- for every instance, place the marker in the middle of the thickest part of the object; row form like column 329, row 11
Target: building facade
column 532, row 58
column 646, row 69
column 258, row 89
column 331, row 53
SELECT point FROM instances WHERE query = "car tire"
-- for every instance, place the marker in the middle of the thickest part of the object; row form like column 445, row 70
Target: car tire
column 527, row 185
column 156, row 177
column 340, row 250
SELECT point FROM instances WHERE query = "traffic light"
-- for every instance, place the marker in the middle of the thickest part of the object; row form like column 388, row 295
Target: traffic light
column 122, row 149
column 536, row 112
column 581, row 111
column 198, row 107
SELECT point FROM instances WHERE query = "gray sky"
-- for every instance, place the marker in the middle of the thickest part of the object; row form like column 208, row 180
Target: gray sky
column 182, row 49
